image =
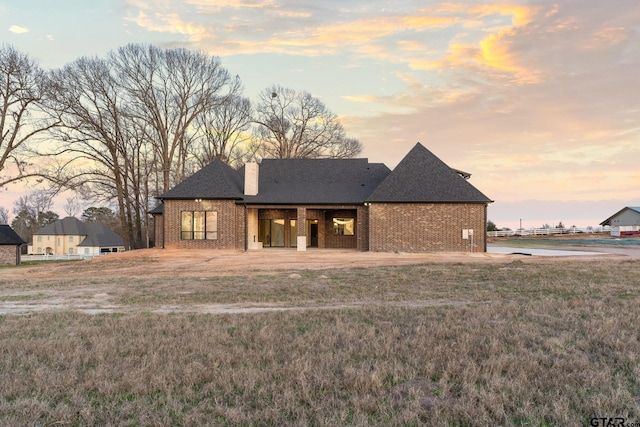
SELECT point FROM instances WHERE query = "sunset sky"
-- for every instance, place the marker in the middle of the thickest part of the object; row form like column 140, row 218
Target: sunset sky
column 538, row 100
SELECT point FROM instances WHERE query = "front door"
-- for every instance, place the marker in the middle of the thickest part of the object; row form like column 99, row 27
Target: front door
column 312, row 229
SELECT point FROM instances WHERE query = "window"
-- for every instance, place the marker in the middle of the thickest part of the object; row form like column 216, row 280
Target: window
column 199, row 225
column 70, row 251
column 39, row 239
column 70, row 239
column 343, row 226
column 293, row 233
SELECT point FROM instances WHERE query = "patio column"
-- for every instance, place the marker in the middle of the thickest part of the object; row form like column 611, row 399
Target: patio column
column 252, row 229
column 302, row 229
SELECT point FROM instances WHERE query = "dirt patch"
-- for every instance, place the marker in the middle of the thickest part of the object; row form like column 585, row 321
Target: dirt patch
column 166, row 281
column 148, row 263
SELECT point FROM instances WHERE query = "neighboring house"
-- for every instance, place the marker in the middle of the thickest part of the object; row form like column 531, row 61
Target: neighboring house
column 423, row 205
column 625, row 222
column 70, row 236
column 10, row 244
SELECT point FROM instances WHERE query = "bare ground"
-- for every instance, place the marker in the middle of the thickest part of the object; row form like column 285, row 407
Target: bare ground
column 206, row 263
column 99, row 283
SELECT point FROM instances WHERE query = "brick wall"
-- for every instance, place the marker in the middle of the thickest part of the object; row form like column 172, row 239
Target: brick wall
column 8, row 254
column 362, row 225
column 418, row 227
column 230, row 233
column 158, row 227
column 241, row 227
column 388, row 227
column 338, row 241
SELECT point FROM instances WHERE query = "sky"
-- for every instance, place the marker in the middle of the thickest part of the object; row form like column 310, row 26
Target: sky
column 538, row 100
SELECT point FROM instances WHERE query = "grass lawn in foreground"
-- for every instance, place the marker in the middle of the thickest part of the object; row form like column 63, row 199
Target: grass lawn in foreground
column 546, row 343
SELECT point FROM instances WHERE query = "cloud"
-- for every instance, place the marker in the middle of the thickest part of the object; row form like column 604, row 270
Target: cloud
column 537, row 101
column 170, row 23
column 16, row 29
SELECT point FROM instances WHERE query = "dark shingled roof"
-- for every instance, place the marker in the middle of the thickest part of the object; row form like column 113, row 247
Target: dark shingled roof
column 158, row 210
column 421, row 177
column 100, row 235
column 63, row 227
column 97, row 234
column 217, row 180
column 317, row 181
column 8, row 236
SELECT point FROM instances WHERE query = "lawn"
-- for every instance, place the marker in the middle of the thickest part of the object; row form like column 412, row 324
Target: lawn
column 460, row 344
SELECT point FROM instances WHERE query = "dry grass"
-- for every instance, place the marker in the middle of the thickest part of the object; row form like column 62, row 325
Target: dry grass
column 542, row 343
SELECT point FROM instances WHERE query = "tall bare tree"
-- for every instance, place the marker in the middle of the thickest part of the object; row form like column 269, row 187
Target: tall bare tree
column 167, row 90
column 21, row 120
column 130, row 118
column 92, row 139
column 294, row 124
column 223, row 132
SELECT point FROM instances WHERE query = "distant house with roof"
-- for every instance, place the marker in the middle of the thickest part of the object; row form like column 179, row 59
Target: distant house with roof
column 625, row 222
column 70, row 236
column 423, row 205
column 10, row 244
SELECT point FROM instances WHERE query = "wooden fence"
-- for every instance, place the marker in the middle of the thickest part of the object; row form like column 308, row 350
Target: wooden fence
column 548, row 231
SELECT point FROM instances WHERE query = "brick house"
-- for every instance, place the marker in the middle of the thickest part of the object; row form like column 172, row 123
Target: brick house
column 423, row 205
column 10, row 244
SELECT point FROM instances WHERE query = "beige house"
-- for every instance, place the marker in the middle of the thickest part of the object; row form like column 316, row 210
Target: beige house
column 70, row 236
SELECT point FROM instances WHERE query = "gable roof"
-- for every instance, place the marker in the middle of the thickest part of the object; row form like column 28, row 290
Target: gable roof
column 8, row 236
column 217, row 180
column 158, row 210
column 100, row 235
column 423, row 177
column 317, row 181
column 97, row 234
column 632, row 208
column 69, row 226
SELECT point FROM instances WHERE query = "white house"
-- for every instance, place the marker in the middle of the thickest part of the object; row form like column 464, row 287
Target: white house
column 625, row 222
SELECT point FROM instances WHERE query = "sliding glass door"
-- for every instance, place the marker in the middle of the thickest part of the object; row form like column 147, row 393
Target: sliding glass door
column 271, row 232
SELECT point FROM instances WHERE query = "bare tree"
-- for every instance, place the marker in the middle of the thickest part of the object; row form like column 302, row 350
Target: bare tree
column 129, row 122
column 21, row 121
column 223, row 132
column 294, row 124
column 4, row 215
column 72, row 206
column 32, row 212
column 167, row 90
column 92, row 139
